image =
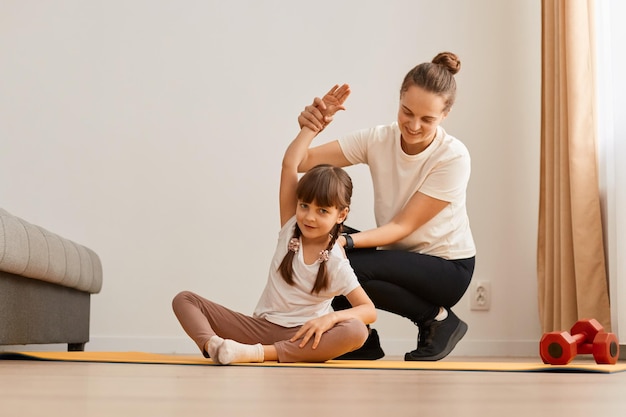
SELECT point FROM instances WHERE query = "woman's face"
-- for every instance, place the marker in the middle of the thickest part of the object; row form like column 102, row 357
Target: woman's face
column 419, row 115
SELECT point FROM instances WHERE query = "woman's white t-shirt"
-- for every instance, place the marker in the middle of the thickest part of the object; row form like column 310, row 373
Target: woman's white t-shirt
column 293, row 305
column 441, row 171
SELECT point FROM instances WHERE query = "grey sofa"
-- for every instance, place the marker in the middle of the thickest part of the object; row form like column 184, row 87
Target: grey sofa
column 46, row 282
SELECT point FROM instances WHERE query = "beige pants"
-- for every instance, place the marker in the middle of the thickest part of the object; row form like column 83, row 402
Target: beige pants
column 202, row 319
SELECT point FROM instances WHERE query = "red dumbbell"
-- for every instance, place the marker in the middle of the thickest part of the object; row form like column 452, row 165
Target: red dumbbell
column 586, row 337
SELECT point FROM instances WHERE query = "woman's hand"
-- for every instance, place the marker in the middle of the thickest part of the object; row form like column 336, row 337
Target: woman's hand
column 319, row 114
column 314, row 328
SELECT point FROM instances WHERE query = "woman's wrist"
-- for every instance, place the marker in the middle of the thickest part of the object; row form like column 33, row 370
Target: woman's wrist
column 349, row 241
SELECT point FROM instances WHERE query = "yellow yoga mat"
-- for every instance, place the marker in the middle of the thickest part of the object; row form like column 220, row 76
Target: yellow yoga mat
column 154, row 358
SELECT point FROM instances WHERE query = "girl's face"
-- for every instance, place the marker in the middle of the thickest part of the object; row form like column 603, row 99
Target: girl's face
column 418, row 117
column 317, row 222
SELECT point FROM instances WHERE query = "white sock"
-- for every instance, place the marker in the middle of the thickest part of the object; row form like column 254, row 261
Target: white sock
column 443, row 314
column 213, row 346
column 235, row 352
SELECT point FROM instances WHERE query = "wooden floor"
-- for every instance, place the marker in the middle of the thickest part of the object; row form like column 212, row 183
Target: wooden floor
column 51, row 389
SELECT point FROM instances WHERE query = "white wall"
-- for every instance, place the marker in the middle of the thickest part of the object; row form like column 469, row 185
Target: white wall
column 612, row 129
column 152, row 132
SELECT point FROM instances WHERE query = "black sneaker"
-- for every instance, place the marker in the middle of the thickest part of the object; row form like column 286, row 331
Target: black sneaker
column 423, row 335
column 439, row 339
column 370, row 350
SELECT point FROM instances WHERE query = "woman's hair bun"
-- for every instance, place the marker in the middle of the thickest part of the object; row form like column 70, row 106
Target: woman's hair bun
column 449, row 60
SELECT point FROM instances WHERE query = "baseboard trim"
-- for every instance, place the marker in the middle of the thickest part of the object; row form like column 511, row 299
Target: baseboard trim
column 164, row 345
column 392, row 347
column 471, row 348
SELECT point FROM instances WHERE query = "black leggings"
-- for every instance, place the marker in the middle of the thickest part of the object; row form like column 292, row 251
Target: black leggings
column 409, row 284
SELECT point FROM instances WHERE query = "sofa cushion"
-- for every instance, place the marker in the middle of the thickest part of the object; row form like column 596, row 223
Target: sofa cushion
column 34, row 252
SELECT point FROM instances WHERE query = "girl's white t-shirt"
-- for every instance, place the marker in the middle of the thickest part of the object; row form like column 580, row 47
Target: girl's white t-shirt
column 293, row 305
column 441, row 171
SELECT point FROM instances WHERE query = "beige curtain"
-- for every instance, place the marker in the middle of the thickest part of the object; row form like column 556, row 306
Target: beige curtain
column 571, row 269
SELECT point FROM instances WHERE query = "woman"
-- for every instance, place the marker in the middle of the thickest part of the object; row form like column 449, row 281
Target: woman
column 419, row 261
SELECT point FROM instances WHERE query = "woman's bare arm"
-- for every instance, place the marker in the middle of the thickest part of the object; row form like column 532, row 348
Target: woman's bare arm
column 418, row 211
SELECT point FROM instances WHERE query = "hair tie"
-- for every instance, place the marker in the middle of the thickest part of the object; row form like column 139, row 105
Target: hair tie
column 294, row 244
column 323, row 256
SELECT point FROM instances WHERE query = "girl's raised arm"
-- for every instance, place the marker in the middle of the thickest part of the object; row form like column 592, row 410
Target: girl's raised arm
column 296, row 152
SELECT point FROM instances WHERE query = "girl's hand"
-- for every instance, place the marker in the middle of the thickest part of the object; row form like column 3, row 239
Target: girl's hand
column 334, row 99
column 319, row 114
column 314, row 328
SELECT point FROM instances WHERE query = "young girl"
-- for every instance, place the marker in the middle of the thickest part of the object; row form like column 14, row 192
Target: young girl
column 294, row 320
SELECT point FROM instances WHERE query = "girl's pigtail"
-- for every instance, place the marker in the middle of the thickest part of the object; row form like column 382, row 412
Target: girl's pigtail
column 286, row 266
column 321, row 282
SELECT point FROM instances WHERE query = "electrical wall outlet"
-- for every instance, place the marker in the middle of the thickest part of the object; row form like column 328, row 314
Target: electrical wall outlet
column 480, row 295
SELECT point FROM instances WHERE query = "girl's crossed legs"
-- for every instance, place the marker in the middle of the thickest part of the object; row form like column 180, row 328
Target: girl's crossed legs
column 202, row 319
